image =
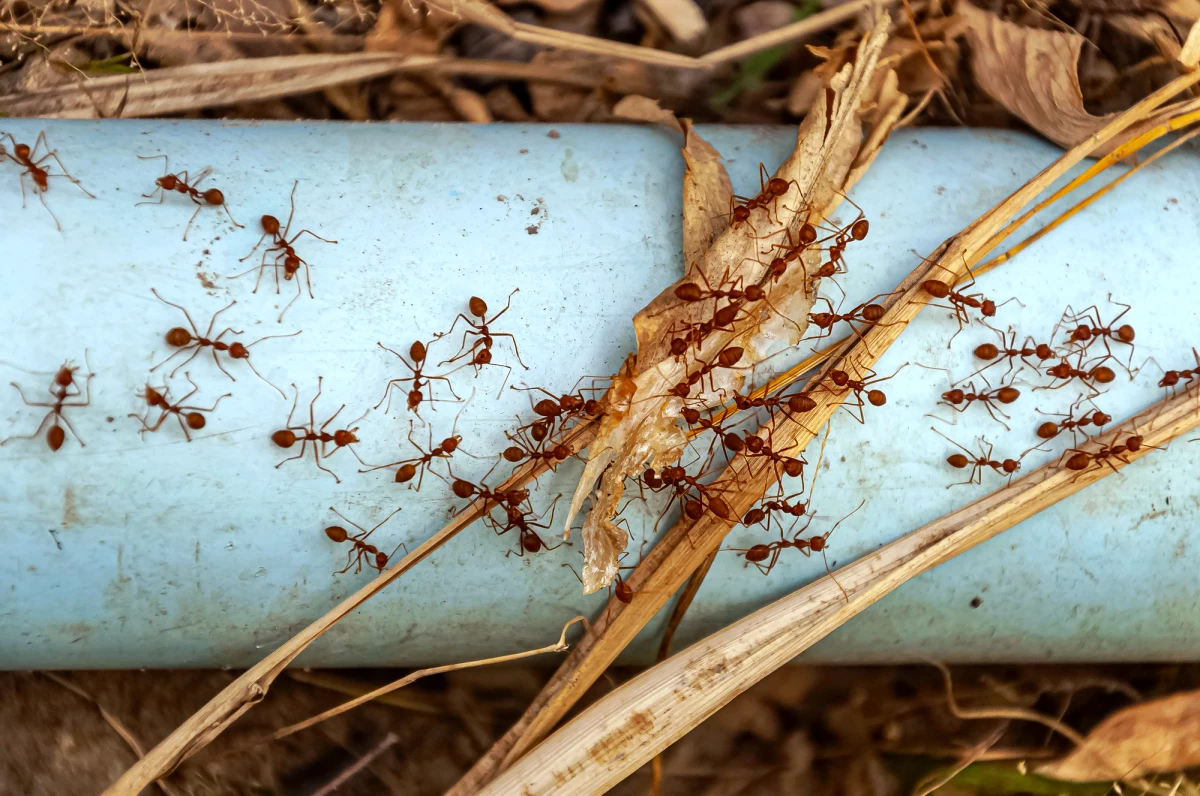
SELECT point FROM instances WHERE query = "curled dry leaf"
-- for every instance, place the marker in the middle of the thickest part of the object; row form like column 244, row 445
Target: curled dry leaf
column 1033, row 73
column 827, row 146
column 1159, row 735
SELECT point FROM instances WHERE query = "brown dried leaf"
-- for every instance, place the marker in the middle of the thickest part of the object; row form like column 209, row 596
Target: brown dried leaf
column 1160, row 735
column 827, row 144
column 1033, row 73
column 637, row 108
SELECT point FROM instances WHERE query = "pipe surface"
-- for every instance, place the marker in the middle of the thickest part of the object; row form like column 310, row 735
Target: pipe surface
column 153, row 552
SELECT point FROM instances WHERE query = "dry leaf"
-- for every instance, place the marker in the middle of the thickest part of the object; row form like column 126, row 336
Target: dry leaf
column 683, row 19
column 1190, row 55
column 643, row 109
column 1033, row 73
column 1160, row 735
column 649, row 434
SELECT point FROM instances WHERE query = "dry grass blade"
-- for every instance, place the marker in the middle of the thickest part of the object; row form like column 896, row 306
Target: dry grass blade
column 558, row 646
column 414, row 700
column 251, row 686
column 578, row 42
column 178, row 89
column 624, row 729
column 685, row 546
column 789, row 33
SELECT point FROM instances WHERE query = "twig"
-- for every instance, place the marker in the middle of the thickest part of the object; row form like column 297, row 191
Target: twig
column 347, row 774
column 558, row 646
column 937, row 779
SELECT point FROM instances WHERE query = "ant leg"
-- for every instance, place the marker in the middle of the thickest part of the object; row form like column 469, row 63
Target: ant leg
column 66, row 173
column 293, row 301
column 310, row 232
column 317, row 459
column 295, row 401
column 190, row 220
column 335, row 414
column 35, row 434
column 307, row 279
column 42, row 199
column 300, row 455
column 146, row 426
column 263, row 379
column 191, row 323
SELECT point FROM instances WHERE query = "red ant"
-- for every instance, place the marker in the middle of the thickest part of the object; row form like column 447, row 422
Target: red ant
column 180, row 183
column 691, row 293
column 959, row 302
column 856, row 230
column 562, row 408
column 695, row 333
column 766, row 509
column 417, row 352
column 529, row 541
column 756, row 554
column 358, row 544
column 1008, row 350
column 466, row 490
column 791, row 252
column 23, row 156
column 532, row 450
column 1089, row 328
column 1064, row 371
column 417, row 466
column 676, row 478
column 1007, row 467
column 291, row 261
column 1171, row 378
column 618, row 587
column 771, row 189
column 727, row 358
column 61, row 389
column 183, row 340
column 875, row 397
column 959, row 399
column 1050, row 430
column 867, row 313
column 1081, row 460
column 480, row 351
column 791, row 466
column 341, row 438
column 189, row 417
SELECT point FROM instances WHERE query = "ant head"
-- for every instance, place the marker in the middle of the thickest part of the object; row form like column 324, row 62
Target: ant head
column 1134, row 443
column 22, row 151
column 1010, row 466
column 178, row 337
column 482, row 357
column 336, row 533
column 1060, row 371
column 153, row 397
column 417, row 353
column 450, row 444
column 530, row 541
column 284, row 438
column 1125, row 333
column 65, row 376
column 693, row 509
column 733, row 442
column 1170, row 379
column 688, row 291
column 679, row 347
column 462, row 489
column 860, row 228
column 1007, row 395
column 808, row 234
column 270, row 225
column 935, row 288
column 478, row 307
column 741, row 213
column 291, row 264
column 794, row 467
column 194, row 420
column 414, row 398
column 801, row 403
column 561, row 452
column 1047, row 430
column 1081, row 333
column 839, row 377
column 987, row 351
column 405, row 473
column 822, row 320
column 1100, row 418
column 690, row 415
column 513, row 454
column 1103, row 374
column 214, row 196
column 343, row 437
column 238, row 351
column 55, row 437
column 592, row 407
column 681, row 389
column 1043, row 351
column 817, row 544
column 777, row 186
column 988, row 308
column 956, row 460
column 547, row 407
column 539, row 430
column 167, row 182
column 876, row 397
column 754, row 443
column 381, row 560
